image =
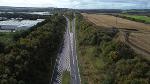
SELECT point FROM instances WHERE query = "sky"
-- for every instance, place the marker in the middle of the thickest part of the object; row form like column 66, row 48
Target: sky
column 80, row 4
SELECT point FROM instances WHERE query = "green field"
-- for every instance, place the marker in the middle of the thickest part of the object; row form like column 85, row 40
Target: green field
column 140, row 18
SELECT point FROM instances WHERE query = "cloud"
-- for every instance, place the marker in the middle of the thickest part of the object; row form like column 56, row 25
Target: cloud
column 79, row 4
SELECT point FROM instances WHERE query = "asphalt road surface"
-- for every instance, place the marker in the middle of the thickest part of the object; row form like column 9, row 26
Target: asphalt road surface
column 75, row 76
column 63, row 59
column 67, row 57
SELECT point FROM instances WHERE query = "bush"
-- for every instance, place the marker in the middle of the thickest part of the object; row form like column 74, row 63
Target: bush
column 2, row 47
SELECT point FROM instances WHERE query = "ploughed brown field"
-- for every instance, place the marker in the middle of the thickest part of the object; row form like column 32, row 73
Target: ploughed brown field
column 110, row 21
column 140, row 38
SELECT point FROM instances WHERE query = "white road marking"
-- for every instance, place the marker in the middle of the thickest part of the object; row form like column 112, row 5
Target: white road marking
column 75, row 78
column 73, row 60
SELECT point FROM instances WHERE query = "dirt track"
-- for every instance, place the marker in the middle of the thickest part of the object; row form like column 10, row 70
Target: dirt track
column 110, row 21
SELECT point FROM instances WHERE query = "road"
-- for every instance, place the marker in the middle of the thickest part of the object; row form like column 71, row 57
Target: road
column 63, row 59
column 75, row 76
column 67, row 57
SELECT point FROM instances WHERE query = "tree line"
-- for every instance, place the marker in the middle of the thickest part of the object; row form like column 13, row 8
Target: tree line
column 23, row 16
column 30, row 59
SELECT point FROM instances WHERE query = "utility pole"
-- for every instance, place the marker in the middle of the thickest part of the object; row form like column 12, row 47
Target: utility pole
column 116, row 21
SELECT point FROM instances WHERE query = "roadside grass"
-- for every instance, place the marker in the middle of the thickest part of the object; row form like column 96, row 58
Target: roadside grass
column 66, row 78
column 90, row 64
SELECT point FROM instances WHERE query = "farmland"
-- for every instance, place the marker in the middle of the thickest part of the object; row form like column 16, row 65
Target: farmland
column 110, row 21
column 142, row 42
column 138, row 18
column 138, row 33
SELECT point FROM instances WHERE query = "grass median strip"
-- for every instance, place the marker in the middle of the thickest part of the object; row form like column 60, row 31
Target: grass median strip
column 66, row 78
